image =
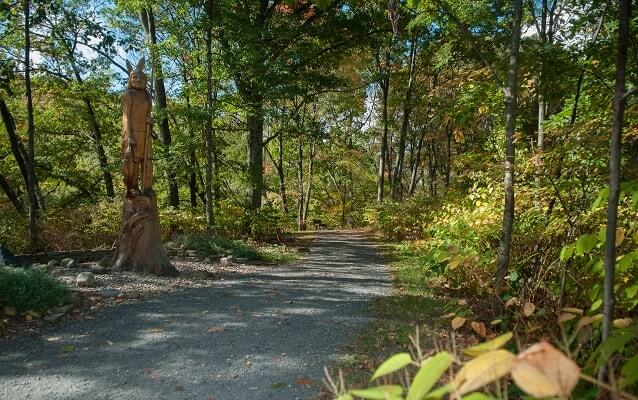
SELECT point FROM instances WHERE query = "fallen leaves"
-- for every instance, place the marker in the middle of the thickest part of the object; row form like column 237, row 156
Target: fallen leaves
column 457, row 322
column 479, row 328
column 528, row 309
column 482, row 370
column 215, row 329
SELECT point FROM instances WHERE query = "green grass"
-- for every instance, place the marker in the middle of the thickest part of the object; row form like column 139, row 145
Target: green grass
column 238, row 248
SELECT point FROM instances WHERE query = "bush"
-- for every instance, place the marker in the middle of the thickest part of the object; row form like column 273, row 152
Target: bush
column 29, row 289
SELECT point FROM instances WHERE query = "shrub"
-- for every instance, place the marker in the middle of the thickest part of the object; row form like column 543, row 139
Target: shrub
column 29, row 289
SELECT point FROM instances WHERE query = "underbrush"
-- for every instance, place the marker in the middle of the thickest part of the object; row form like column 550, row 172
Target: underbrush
column 29, row 290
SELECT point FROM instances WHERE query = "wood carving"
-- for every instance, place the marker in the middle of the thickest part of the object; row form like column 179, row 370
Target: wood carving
column 140, row 247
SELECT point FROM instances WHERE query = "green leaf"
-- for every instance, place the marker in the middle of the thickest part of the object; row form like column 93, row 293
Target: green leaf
column 602, row 234
column 631, row 291
column 439, row 392
column 629, row 372
column 513, row 276
column 566, row 252
column 345, row 397
column 477, row 396
column 386, row 392
column 596, row 305
column 625, row 262
column 493, row 344
column 586, row 243
column 602, row 196
column 613, row 344
column 429, row 373
column 392, row 364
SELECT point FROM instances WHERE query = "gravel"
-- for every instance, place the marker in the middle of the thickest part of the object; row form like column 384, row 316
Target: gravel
column 263, row 334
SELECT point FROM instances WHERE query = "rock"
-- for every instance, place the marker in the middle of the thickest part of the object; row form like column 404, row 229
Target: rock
column 65, row 261
column 52, row 264
column 226, row 261
column 58, row 271
column 73, row 297
column 109, row 293
column 72, row 264
column 207, row 260
column 39, row 267
column 171, row 245
column 105, row 262
column 85, row 279
column 195, row 253
column 98, row 269
column 53, row 317
column 64, row 309
column 7, row 257
column 242, row 260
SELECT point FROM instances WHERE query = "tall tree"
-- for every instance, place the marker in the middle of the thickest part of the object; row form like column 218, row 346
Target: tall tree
column 33, row 236
column 148, row 22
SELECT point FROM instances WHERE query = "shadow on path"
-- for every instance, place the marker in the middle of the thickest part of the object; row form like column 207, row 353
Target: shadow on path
column 249, row 338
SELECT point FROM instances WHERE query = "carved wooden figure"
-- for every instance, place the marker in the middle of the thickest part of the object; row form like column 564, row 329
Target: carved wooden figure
column 140, row 245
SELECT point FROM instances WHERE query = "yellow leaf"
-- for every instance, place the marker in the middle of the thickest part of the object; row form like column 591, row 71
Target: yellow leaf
column 622, row 322
column 543, row 371
column 620, row 236
column 482, row 370
column 458, row 322
column 583, row 322
column 511, row 302
column 448, row 316
column 528, row 309
column 496, row 322
column 486, row 347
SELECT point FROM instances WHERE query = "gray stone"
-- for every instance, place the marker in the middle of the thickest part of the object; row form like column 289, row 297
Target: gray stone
column 226, row 261
column 72, row 264
column 171, row 245
column 109, row 293
column 52, row 264
column 58, row 271
column 64, row 309
column 105, row 262
column 39, row 267
column 98, row 269
column 65, row 262
column 242, row 260
column 85, row 279
column 53, row 317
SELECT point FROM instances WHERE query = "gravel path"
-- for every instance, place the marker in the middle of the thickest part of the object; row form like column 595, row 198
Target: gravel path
column 265, row 335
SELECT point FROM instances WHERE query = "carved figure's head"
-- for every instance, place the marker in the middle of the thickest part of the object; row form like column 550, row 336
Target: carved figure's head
column 136, row 77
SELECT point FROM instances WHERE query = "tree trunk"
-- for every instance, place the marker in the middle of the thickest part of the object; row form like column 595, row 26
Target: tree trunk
column 31, row 127
column 385, row 86
column 148, row 23
column 99, row 148
column 255, row 154
column 11, row 195
column 301, row 223
column 511, row 92
column 407, row 109
column 311, row 162
column 280, row 171
column 208, row 133
column 624, row 15
column 140, row 247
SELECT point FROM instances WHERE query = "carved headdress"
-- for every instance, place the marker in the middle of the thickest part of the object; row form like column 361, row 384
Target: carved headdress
column 136, row 77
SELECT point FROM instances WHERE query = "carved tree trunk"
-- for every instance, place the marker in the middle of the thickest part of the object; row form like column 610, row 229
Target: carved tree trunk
column 140, row 247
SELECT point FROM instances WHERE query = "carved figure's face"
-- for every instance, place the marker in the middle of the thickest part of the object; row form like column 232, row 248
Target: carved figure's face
column 137, row 80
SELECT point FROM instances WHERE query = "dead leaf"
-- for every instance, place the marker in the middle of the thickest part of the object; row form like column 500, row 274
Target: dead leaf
column 583, row 322
column 573, row 310
column 109, row 343
column 156, row 330
column 620, row 236
column 564, row 317
column 622, row 322
column 528, row 309
column 511, row 302
column 543, row 371
column 479, row 328
column 304, row 381
column 448, row 316
column 482, row 370
column 215, row 329
column 458, row 322
column 496, row 322
column 462, row 302
column 179, row 388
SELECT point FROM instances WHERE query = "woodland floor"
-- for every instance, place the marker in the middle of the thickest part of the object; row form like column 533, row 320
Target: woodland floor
column 262, row 335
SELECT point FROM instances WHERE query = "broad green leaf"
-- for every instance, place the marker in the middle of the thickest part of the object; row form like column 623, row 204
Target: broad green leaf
column 586, row 243
column 439, row 392
column 625, row 261
column 430, row 372
column 477, row 396
column 493, row 344
column 392, row 364
column 386, row 392
column 345, row 397
column 631, row 291
column 566, row 252
column 629, row 372
column 614, row 344
column 596, row 305
column 602, row 196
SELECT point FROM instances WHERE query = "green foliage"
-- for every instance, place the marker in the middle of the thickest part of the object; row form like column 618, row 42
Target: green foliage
column 29, row 289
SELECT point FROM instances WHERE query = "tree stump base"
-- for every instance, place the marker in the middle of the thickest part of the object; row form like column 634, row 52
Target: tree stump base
column 140, row 247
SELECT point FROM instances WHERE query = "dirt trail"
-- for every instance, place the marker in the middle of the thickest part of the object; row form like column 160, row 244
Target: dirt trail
column 262, row 336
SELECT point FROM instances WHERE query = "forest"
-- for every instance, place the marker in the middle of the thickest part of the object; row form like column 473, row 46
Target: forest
column 489, row 148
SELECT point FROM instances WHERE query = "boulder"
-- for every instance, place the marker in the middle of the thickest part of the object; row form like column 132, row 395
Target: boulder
column 226, row 261
column 105, row 262
column 52, row 264
column 85, row 279
column 65, row 262
column 98, row 269
column 7, row 257
column 72, row 264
